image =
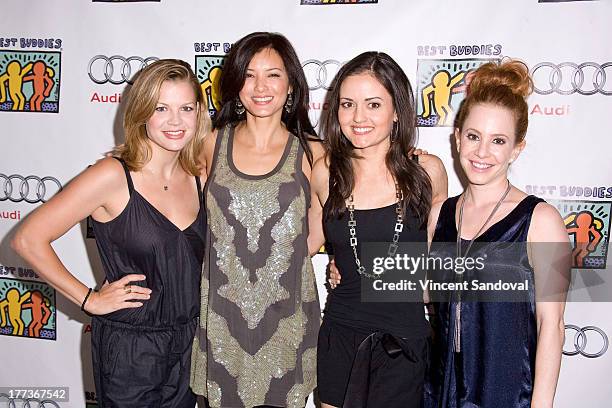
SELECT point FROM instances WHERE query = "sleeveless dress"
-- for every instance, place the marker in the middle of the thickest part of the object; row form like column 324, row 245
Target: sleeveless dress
column 356, row 367
column 260, row 315
column 495, row 366
column 141, row 355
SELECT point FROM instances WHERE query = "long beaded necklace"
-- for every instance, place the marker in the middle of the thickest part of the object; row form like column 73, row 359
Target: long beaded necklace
column 457, row 341
column 399, row 227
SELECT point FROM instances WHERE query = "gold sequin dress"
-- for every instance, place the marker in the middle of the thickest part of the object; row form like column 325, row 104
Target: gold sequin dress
column 260, row 314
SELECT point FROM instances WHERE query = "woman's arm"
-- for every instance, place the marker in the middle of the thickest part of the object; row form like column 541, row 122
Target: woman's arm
column 100, row 190
column 207, row 152
column 437, row 173
column 319, row 180
column 550, row 256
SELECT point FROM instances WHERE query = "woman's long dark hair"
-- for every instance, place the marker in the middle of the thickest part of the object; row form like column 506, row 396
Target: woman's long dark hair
column 410, row 176
column 234, row 74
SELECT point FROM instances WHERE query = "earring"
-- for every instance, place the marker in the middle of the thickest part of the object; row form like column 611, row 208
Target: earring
column 289, row 103
column 239, row 109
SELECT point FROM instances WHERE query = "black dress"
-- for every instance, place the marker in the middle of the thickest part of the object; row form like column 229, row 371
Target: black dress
column 371, row 354
column 141, row 356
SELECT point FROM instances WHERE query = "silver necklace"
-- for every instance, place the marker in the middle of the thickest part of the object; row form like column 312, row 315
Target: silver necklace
column 399, row 227
column 457, row 341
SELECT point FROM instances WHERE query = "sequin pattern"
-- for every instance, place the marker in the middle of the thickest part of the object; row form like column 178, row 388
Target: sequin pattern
column 262, row 314
column 299, row 392
column 254, row 373
column 253, row 298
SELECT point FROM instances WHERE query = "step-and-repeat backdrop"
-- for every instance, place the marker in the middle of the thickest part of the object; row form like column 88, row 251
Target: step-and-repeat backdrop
column 64, row 67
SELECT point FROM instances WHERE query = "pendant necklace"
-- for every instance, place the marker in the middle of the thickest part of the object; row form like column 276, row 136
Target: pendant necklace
column 457, row 340
column 399, row 227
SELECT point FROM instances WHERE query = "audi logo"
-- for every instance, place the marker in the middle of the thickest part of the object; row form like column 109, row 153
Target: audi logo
column 116, row 69
column 319, row 74
column 31, row 189
column 567, row 78
column 27, row 402
column 580, row 341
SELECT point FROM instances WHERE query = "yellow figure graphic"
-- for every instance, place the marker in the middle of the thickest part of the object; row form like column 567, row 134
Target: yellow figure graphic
column 14, row 76
column 210, row 88
column 586, row 230
column 441, row 86
column 13, row 303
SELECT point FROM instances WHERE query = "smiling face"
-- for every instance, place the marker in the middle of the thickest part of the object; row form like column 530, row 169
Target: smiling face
column 266, row 85
column 366, row 113
column 487, row 143
column 173, row 124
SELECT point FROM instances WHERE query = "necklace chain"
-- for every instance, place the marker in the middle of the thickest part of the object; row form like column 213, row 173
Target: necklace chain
column 458, row 276
column 399, row 227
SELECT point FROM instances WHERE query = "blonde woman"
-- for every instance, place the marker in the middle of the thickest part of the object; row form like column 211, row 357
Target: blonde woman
column 147, row 209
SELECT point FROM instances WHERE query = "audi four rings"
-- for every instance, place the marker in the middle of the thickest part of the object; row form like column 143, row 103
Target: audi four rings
column 116, row 69
column 567, row 78
column 27, row 402
column 31, row 189
column 581, row 340
column 317, row 73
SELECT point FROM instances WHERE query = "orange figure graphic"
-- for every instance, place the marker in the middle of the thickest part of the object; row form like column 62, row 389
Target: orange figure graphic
column 42, row 84
column 587, row 235
column 441, row 87
column 13, row 303
column 210, row 88
column 14, row 76
column 41, row 313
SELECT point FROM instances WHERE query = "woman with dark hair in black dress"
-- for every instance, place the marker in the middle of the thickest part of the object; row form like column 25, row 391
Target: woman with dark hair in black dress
column 370, row 189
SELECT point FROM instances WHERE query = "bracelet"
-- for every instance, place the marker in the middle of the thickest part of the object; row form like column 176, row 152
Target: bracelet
column 85, row 300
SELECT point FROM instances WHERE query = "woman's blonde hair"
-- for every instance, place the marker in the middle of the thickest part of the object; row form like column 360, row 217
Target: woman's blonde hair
column 140, row 106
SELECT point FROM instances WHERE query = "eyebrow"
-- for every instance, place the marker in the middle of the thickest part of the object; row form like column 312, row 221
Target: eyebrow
column 494, row 134
column 185, row 103
column 366, row 99
column 269, row 69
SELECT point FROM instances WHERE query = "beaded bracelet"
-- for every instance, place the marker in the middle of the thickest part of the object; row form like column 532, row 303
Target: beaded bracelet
column 85, row 300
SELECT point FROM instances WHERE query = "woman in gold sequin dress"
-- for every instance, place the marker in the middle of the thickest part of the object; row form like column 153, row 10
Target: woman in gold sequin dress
column 260, row 313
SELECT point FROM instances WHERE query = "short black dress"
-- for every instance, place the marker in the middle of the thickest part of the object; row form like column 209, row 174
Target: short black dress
column 141, row 356
column 371, row 354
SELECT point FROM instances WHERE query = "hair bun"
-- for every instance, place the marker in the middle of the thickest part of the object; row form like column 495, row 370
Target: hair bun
column 511, row 73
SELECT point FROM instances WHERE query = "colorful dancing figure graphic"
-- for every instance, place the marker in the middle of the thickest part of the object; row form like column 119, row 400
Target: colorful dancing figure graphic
column 14, row 75
column 41, row 313
column 441, row 88
column 13, row 302
column 586, row 231
column 42, row 84
column 210, row 88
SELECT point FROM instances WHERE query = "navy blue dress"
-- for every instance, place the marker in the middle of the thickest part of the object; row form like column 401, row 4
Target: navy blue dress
column 495, row 366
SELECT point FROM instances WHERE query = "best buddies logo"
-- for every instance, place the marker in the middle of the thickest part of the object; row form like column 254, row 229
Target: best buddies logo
column 209, row 60
column 27, row 309
column 30, row 74
column 588, row 226
column 441, row 82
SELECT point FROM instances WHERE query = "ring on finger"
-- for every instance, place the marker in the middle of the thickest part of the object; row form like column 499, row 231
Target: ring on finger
column 127, row 288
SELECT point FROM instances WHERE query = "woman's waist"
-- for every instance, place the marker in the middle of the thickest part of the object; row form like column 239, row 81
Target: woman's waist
column 152, row 316
column 404, row 319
